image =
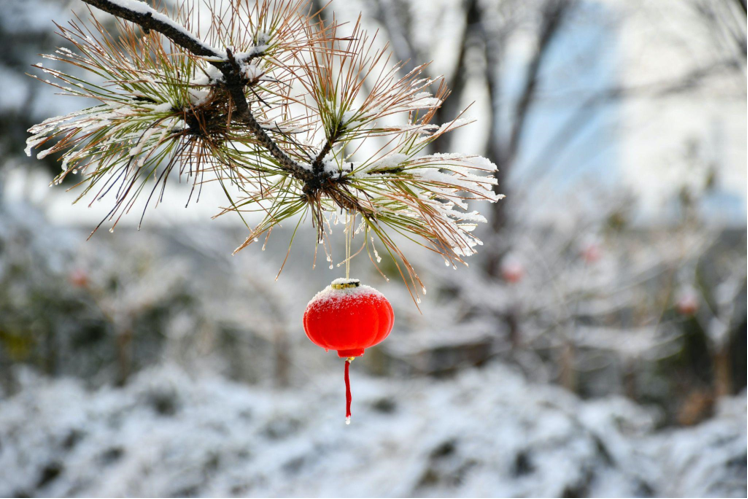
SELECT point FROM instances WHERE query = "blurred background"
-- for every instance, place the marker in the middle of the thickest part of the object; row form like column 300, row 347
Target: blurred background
column 596, row 346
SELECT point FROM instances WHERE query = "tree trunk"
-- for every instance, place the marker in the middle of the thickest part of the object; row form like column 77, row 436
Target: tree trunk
column 722, row 373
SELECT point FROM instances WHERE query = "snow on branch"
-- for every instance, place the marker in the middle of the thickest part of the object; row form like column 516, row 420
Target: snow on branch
column 289, row 118
column 148, row 18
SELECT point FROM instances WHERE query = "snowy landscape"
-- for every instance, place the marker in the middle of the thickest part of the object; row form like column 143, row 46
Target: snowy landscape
column 595, row 345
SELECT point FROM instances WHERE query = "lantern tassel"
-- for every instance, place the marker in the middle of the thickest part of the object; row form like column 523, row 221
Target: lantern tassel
column 348, row 397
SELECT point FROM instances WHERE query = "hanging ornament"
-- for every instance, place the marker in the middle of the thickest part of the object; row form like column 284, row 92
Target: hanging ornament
column 349, row 318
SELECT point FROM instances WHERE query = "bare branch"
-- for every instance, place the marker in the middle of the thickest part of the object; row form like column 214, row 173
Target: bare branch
column 553, row 17
column 458, row 82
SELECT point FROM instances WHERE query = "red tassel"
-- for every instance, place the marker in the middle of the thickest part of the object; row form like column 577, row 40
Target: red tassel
column 347, row 393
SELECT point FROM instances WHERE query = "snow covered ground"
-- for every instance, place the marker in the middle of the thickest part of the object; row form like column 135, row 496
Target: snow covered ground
column 487, row 432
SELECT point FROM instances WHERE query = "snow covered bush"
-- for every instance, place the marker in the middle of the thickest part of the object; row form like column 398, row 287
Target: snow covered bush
column 484, row 433
column 86, row 310
column 104, row 309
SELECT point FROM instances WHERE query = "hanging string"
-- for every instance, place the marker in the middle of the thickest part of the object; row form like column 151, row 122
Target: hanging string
column 350, row 222
column 348, row 397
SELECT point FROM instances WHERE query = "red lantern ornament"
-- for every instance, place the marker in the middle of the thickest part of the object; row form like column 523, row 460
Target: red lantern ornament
column 349, row 318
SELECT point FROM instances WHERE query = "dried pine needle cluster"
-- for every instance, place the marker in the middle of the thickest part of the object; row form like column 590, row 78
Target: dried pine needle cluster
column 290, row 116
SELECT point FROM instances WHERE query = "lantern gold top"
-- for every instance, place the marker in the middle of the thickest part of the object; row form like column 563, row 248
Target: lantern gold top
column 345, row 283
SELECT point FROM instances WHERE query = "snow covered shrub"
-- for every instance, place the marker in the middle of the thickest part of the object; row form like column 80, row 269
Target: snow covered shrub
column 88, row 310
column 484, row 433
column 289, row 116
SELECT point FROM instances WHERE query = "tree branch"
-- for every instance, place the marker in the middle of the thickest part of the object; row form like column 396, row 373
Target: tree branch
column 450, row 109
column 149, row 19
column 318, row 164
column 235, row 85
column 553, row 16
column 389, row 14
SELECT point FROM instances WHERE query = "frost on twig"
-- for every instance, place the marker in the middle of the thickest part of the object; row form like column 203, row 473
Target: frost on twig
column 300, row 119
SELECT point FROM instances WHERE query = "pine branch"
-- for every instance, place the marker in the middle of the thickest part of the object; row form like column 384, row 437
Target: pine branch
column 147, row 18
column 235, row 86
column 318, row 164
column 183, row 106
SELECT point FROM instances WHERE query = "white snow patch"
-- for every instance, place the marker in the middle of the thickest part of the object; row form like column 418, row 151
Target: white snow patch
column 483, row 433
column 331, row 297
column 162, row 108
column 251, row 71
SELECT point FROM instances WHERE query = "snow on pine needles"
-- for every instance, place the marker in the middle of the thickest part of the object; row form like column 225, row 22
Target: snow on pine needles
column 289, row 116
